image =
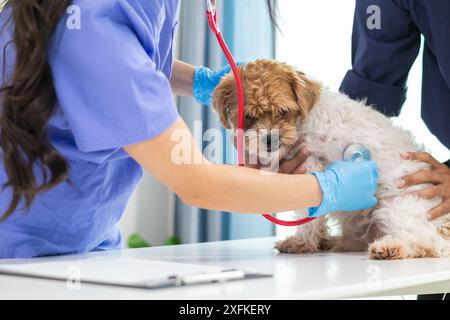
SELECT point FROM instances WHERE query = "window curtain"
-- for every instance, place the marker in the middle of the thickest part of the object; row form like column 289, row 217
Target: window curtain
column 248, row 31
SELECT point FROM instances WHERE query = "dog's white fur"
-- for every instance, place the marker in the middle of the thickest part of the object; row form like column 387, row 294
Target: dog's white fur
column 397, row 228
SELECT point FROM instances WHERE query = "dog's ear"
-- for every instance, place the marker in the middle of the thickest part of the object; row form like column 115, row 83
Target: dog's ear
column 307, row 91
column 224, row 98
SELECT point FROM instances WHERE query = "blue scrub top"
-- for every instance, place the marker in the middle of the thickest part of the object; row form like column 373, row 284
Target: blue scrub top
column 382, row 58
column 112, row 83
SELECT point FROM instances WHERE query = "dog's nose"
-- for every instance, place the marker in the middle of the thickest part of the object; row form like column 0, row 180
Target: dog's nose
column 269, row 143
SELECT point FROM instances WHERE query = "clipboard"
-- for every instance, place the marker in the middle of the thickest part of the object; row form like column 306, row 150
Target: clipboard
column 126, row 272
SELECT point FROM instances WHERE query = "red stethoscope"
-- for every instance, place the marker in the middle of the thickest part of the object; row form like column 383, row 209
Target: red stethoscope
column 212, row 20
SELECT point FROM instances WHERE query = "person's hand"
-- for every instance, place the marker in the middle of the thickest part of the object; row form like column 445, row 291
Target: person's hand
column 292, row 165
column 438, row 175
column 206, row 81
column 296, row 164
column 347, row 186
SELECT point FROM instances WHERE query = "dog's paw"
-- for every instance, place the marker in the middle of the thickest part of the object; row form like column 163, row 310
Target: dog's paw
column 387, row 250
column 295, row 245
column 330, row 244
column 443, row 225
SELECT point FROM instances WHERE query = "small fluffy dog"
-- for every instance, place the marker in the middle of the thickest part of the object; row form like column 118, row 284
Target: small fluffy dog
column 279, row 97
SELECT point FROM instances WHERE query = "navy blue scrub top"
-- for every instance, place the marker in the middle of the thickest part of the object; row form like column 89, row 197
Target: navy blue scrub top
column 382, row 58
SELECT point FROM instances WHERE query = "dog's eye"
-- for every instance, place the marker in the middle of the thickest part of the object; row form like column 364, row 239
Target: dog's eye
column 283, row 113
column 249, row 117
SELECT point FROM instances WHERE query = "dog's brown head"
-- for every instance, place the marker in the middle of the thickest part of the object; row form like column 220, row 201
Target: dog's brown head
column 276, row 97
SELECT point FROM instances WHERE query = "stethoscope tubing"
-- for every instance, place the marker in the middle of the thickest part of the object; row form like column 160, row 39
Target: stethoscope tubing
column 213, row 24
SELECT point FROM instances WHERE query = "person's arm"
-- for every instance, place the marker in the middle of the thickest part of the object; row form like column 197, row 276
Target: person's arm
column 222, row 187
column 197, row 82
column 381, row 58
column 342, row 187
column 182, row 80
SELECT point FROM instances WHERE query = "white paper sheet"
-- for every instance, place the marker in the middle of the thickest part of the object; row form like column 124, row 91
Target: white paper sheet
column 107, row 270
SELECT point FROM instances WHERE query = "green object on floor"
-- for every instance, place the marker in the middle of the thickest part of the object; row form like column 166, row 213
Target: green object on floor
column 136, row 241
column 172, row 241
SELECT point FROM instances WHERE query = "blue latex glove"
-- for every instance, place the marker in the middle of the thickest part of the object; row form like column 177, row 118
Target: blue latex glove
column 347, row 186
column 206, row 81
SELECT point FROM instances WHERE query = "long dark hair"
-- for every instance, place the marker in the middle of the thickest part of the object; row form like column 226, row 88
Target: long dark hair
column 27, row 103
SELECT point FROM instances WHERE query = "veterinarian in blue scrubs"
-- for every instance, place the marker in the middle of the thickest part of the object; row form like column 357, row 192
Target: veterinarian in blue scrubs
column 382, row 58
column 86, row 106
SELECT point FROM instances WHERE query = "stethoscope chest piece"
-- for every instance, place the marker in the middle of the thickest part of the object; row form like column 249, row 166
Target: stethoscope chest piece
column 357, row 152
